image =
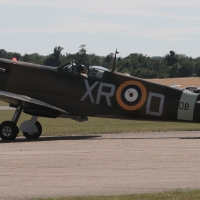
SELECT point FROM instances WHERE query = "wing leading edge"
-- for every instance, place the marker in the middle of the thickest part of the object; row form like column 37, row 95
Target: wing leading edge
column 35, row 107
column 30, row 105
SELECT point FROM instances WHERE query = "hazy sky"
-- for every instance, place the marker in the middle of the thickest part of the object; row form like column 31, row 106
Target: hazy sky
column 152, row 27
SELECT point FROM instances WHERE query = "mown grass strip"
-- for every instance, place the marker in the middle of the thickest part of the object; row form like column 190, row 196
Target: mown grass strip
column 174, row 195
column 62, row 127
column 3, row 103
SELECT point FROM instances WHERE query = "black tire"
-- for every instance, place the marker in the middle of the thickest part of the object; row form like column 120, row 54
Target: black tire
column 34, row 135
column 8, row 130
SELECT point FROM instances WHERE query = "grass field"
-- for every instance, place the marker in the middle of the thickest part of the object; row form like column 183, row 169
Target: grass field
column 62, row 127
column 175, row 195
column 3, row 103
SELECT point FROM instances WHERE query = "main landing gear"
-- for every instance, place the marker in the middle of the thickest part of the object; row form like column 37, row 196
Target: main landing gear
column 31, row 129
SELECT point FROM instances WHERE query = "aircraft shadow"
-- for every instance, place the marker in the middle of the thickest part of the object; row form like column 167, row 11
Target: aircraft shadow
column 87, row 137
column 153, row 138
column 48, row 138
column 189, row 138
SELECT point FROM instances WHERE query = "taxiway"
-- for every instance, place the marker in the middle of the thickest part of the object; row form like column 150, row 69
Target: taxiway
column 100, row 164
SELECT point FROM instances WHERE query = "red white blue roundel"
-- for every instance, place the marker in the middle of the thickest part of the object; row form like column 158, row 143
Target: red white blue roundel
column 131, row 95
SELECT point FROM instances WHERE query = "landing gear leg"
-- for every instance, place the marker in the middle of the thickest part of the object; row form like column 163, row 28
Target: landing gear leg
column 31, row 129
column 9, row 129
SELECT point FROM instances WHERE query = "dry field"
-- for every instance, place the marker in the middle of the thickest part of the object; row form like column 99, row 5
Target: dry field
column 184, row 82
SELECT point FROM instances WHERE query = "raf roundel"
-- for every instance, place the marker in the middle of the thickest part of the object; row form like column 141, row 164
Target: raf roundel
column 131, row 95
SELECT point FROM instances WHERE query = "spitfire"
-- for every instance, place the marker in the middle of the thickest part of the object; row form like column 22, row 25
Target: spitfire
column 44, row 91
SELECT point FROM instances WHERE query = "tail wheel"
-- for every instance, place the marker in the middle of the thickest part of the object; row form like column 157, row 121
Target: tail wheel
column 34, row 135
column 8, row 130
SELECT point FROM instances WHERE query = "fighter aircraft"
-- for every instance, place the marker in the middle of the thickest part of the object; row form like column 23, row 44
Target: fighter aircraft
column 45, row 91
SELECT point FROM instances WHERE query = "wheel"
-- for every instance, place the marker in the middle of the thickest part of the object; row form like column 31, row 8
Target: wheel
column 34, row 135
column 8, row 130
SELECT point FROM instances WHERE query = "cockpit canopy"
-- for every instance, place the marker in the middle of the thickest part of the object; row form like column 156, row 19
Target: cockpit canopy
column 97, row 71
column 70, row 67
column 93, row 71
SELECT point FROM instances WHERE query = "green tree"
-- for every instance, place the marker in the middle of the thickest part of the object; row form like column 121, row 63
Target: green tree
column 198, row 71
column 108, row 61
column 171, row 58
column 146, row 73
column 186, row 69
column 95, row 60
column 54, row 59
column 57, row 52
column 174, row 71
column 3, row 53
column 81, row 56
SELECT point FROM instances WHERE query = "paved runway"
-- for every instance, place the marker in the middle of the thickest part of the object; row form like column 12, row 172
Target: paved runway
column 99, row 165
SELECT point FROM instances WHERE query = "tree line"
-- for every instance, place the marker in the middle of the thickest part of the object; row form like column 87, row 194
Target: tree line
column 170, row 65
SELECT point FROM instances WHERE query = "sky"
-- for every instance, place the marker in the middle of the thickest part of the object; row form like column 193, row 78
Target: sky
column 150, row 27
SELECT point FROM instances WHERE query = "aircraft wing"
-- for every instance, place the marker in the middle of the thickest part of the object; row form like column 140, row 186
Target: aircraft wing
column 31, row 106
